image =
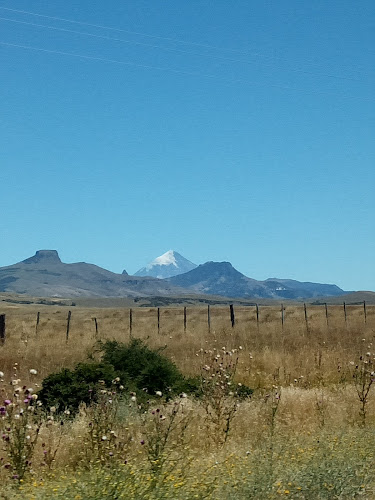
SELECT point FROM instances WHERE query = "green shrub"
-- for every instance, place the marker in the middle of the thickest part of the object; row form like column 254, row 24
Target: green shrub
column 244, row 392
column 139, row 368
column 143, row 369
column 67, row 389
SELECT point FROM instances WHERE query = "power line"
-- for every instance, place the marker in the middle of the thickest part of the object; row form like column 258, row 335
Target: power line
column 85, row 33
column 138, row 33
column 177, row 71
column 169, row 39
column 171, row 49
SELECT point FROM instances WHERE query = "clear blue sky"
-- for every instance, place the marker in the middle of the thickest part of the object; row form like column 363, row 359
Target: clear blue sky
column 239, row 131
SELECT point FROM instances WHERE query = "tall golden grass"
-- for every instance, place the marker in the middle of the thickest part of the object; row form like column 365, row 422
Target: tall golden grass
column 311, row 444
column 297, row 350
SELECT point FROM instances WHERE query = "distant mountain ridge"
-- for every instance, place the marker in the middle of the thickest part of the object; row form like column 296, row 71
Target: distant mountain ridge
column 221, row 278
column 45, row 275
column 169, row 264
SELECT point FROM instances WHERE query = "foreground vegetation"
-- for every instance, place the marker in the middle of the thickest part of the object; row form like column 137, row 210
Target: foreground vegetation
column 307, row 431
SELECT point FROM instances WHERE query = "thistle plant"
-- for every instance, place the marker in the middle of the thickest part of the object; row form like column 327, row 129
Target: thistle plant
column 52, row 437
column 165, row 432
column 102, row 443
column 219, row 394
column 321, row 407
column 272, row 399
column 363, row 376
column 20, row 424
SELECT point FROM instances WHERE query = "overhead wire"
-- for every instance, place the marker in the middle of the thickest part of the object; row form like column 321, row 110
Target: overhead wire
column 143, row 44
column 171, row 49
column 169, row 39
column 158, row 37
column 181, row 72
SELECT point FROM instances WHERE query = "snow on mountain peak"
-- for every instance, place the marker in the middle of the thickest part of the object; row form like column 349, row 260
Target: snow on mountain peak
column 167, row 259
column 169, row 264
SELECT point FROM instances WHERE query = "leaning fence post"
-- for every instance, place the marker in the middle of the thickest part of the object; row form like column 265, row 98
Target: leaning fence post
column 68, row 325
column 37, row 323
column 185, row 319
column 158, row 319
column 345, row 312
column 306, row 320
column 96, row 326
column 231, row 309
column 364, row 310
column 326, row 306
column 257, row 311
column 2, row 328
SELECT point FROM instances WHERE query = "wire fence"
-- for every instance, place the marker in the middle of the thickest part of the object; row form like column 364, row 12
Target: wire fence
column 161, row 320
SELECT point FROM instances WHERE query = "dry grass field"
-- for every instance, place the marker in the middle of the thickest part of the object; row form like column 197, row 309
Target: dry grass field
column 305, row 433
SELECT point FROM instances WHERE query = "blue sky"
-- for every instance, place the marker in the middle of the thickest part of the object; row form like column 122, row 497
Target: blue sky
column 239, row 131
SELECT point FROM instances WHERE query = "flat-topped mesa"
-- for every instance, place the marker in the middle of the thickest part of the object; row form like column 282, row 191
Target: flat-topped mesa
column 41, row 256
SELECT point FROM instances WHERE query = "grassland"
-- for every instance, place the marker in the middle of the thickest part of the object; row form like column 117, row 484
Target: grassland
column 304, row 433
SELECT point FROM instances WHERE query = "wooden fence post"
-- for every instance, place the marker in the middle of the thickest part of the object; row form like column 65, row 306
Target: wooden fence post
column 185, row 319
column 345, row 312
column 326, row 307
column 37, row 323
column 208, row 318
column 158, row 319
column 2, row 328
column 282, row 315
column 306, row 320
column 364, row 310
column 68, row 325
column 232, row 319
column 130, row 321
column 257, row 312
column 96, row 326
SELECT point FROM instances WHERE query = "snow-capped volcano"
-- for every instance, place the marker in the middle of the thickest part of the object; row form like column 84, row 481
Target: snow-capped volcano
column 169, row 264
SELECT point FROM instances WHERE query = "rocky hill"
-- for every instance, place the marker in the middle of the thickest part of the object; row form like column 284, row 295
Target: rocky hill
column 44, row 275
column 221, row 278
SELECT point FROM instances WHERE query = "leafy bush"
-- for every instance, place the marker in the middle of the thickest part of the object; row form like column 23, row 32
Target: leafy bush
column 141, row 368
column 244, row 392
column 67, row 389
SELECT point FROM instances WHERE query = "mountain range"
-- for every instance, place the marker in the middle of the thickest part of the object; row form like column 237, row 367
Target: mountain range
column 45, row 275
column 221, row 278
